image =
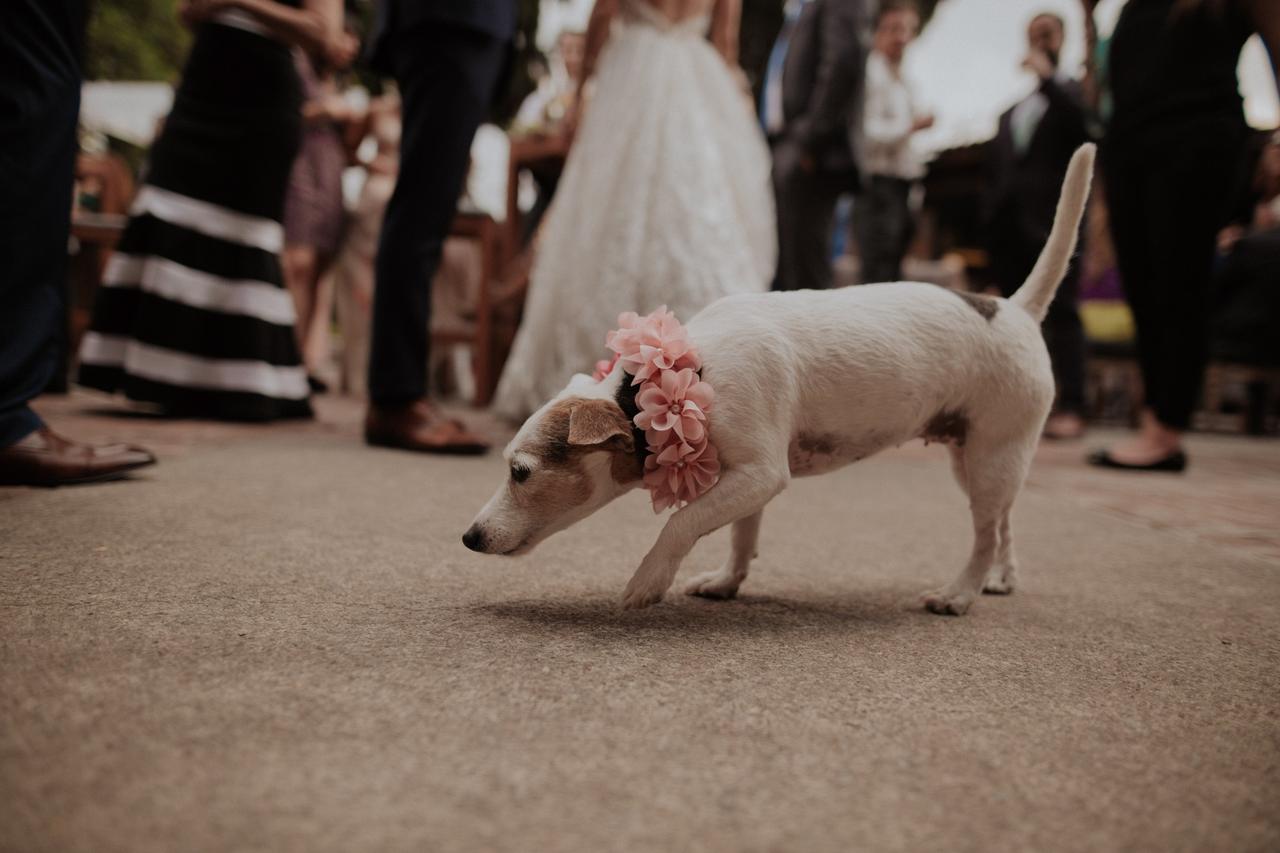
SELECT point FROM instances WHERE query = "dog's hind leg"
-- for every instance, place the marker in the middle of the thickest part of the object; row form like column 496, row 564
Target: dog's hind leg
column 724, row 582
column 995, row 471
column 957, row 467
column 741, row 492
column 1002, row 578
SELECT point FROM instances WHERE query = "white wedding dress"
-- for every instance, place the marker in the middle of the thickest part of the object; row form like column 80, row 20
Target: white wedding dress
column 665, row 199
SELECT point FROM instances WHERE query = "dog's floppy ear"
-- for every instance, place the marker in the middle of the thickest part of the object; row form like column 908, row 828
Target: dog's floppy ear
column 593, row 422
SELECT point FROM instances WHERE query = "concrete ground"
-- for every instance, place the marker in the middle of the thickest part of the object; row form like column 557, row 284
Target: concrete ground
column 275, row 641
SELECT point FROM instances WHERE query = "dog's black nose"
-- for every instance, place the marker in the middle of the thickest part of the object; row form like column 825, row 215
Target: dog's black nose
column 473, row 538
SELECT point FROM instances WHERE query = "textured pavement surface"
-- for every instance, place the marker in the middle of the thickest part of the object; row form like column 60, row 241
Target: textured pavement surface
column 274, row 641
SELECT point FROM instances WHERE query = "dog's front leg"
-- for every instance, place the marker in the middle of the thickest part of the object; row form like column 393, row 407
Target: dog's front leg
column 724, row 582
column 741, row 492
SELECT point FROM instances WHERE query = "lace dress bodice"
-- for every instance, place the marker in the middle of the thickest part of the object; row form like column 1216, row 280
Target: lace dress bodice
column 691, row 17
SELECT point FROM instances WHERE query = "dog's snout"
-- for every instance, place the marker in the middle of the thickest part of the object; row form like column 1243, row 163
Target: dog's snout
column 473, row 538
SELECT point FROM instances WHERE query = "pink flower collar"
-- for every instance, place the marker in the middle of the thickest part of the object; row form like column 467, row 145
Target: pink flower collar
column 672, row 403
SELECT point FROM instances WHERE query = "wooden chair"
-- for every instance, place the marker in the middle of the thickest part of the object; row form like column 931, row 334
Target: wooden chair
column 476, row 331
column 94, row 235
column 505, row 301
column 490, row 328
column 1240, row 398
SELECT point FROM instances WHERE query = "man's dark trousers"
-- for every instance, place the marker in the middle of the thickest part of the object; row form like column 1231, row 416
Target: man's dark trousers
column 883, row 226
column 447, row 74
column 806, row 203
column 40, row 44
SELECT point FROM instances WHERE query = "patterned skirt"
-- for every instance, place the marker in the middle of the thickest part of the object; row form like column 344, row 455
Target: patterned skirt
column 193, row 314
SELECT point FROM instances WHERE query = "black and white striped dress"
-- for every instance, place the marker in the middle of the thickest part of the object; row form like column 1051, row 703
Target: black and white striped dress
column 193, row 314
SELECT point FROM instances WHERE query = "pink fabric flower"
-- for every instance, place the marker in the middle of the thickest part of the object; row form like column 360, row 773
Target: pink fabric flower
column 649, row 345
column 673, row 404
column 680, row 472
column 675, row 401
column 603, row 368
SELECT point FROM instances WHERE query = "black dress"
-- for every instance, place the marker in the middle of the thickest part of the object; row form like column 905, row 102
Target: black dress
column 1170, row 158
column 193, row 314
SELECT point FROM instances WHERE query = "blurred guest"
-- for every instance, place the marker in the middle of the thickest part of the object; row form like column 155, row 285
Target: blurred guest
column 1258, row 209
column 882, row 215
column 547, row 106
column 1169, row 158
column 811, row 108
column 104, row 182
column 459, row 275
column 313, row 205
column 1026, row 164
column 193, row 315
column 353, row 269
column 1246, row 315
column 549, row 110
column 40, row 51
column 447, row 58
column 665, row 197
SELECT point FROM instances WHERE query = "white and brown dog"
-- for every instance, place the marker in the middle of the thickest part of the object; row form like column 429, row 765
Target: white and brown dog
column 807, row 382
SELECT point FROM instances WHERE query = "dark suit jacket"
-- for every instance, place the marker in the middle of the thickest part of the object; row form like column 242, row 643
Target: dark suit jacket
column 496, row 18
column 822, row 83
column 1023, row 189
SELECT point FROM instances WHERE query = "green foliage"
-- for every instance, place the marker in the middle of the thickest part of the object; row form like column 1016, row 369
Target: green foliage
column 135, row 40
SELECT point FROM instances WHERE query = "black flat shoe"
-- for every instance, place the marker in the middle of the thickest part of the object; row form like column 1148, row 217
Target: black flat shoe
column 1174, row 463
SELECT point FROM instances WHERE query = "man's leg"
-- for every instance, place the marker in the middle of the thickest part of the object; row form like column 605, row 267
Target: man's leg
column 447, row 77
column 883, row 227
column 39, row 104
column 872, row 229
column 805, row 210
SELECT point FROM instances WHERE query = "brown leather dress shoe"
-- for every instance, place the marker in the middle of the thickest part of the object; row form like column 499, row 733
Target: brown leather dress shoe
column 45, row 458
column 419, row 427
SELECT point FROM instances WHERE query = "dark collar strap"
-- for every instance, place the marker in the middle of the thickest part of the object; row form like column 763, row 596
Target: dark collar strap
column 626, row 399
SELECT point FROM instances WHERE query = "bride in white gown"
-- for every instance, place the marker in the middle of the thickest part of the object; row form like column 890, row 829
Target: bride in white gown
column 665, row 198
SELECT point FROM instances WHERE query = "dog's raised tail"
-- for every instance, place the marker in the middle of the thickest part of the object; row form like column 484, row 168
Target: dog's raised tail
column 1037, row 291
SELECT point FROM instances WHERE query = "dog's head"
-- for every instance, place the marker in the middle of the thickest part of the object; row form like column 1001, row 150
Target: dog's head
column 573, row 456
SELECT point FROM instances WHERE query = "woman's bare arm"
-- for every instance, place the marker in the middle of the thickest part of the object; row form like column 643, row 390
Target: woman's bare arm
column 602, row 15
column 726, row 21
column 316, row 27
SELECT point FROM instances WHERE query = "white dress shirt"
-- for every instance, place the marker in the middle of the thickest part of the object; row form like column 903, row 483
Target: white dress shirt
column 1027, row 114
column 771, row 105
column 886, row 122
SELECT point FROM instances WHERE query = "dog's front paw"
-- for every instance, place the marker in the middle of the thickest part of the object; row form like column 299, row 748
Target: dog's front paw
column 947, row 603
column 716, row 584
column 640, row 594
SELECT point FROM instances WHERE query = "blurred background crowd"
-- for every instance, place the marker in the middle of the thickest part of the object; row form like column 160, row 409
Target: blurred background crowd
column 235, row 210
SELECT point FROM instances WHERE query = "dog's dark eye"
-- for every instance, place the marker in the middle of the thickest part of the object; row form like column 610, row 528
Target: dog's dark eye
column 519, row 473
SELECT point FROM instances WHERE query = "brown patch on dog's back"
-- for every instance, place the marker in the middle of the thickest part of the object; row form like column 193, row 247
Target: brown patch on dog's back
column 986, row 306
column 947, row 427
